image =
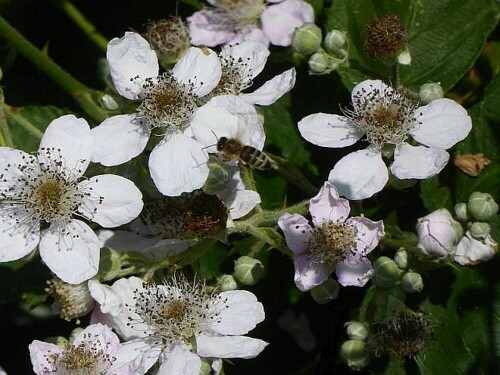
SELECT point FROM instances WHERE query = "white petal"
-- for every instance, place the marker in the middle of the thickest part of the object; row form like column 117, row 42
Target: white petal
column 72, row 136
column 131, row 60
column 229, row 346
column 100, row 337
column 471, row 251
column 200, row 67
column 135, row 357
column 308, row 273
column 238, row 199
column 204, row 33
column 360, row 174
column 327, row 130
column 108, row 299
column 418, row 161
column 119, row 139
column 327, row 206
column 73, row 255
column 40, row 355
column 115, row 200
column 16, row 239
column 124, row 241
column 239, row 314
column 180, row 362
column 443, row 122
column 279, row 21
column 177, row 165
column 354, row 271
column 231, row 117
column 273, row 89
column 252, row 53
column 241, row 202
column 364, row 90
column 17, row 160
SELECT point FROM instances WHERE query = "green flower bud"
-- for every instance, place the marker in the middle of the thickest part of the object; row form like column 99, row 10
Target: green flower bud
column 387, row 272
column 226, row 282
column 322, row 63
column 325, row 292
column 306, row 39
column 479, row 230
column 461, row 213
column 355, row 354
column 248, row 270
column 1, row 74
column 482, row 206
column 412, row 282
column 356, row 331
column 205, row 368
column 430, row 91
column 335, row 40
column 404, row 57
column 401, row 259
column 109, row 103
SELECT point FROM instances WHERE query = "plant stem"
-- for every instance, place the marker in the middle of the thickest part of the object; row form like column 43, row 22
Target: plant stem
column 270, row 218
column 5, row 137
column 83, row 23
column 83, row 95
column 8, row 111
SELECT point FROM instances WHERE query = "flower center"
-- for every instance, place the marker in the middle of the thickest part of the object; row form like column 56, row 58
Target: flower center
column 45, row 192
column 167, row 103
column 86, row 358
column 385, row 116
column 239, row 13
column 331, row 242
column 72, row 300
column 168, row 37
column 176, row 310
column 235, row 77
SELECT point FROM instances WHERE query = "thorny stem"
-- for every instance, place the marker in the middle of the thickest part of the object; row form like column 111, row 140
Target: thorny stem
column 83, row 23
column 270, row 218
column 83, row 95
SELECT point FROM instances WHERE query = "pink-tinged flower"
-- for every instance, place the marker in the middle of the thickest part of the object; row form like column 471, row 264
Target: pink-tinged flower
column 388, row 119
column 167, row 103
column 95, row 350
column 471, row 251
column 333, row 241
column 228, row 21
column 438, row 233
column 43, row 195
column 167, row 319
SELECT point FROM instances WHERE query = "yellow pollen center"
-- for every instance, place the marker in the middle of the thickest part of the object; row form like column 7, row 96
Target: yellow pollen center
column 175, row 310
column 331, row 242
column 48, row 195
column 78, row 358
column 387, row 117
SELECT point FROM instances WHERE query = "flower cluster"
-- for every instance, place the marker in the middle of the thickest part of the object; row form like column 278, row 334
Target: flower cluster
column 156, row 212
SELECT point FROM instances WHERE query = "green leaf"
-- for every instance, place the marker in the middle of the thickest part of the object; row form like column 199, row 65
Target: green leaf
column 38, row 116
column 482, row 139
column 210, row 263
column 282, row 133
column 435, row 195
column 467, row 312
column 492, row 98
column 444, row 37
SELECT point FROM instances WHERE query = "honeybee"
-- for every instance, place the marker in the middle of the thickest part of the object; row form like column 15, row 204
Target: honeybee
column 231, row 148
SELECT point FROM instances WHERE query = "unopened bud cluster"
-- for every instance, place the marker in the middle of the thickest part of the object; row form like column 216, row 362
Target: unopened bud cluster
column 325, row 55
column 467, row 241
